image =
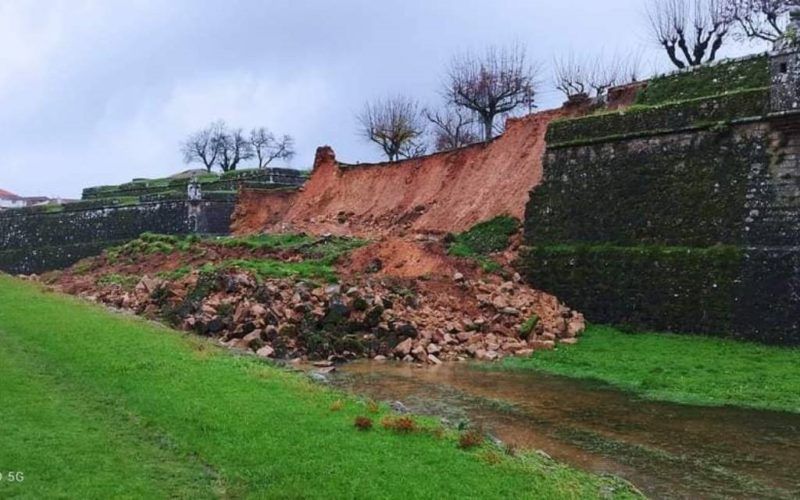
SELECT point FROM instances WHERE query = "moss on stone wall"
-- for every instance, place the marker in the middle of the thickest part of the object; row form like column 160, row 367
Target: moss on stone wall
column 706, row 112
column 683, row 189
column 730, row 291
column 30, row 242
column 704, row 81
column 643, row 287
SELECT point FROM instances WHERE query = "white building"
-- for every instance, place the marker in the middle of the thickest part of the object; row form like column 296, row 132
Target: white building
column 10, row 200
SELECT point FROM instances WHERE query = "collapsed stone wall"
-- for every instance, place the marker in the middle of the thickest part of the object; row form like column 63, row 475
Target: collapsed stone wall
column 443, row 192
column 676, row 217
column 257, row 209
column 33, row 242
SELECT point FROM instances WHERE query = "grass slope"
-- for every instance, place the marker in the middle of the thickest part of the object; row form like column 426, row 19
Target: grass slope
column 96, row 405
column 679, row 368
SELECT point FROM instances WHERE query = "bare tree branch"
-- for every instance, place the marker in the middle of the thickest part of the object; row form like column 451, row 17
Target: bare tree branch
column 203, row 146
column 593, row 78
column 497, row 83
column 453, row 128
column 233, row 149
column 690, row 31
column 267, row 148
column 572, row 77
column 395, row 125
column 759, row 19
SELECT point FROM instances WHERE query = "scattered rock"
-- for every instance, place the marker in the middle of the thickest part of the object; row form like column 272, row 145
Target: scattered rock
column 510, row 311
column 398, row 407
column 266, row 352
column 404, row 347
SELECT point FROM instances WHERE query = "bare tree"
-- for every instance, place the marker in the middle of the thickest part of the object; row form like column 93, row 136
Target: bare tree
column 760, row 19
column 606, row 74
column 495, row 84
column 267, row 148
column 203, row 146
column 593, row 78
column 396, row 125
column 691, row 31
column 233, row 149
column 572, row 77
column 631, row 68
column 452, row 128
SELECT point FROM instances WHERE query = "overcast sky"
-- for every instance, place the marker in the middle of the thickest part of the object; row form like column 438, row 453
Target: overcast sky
column 99, row 92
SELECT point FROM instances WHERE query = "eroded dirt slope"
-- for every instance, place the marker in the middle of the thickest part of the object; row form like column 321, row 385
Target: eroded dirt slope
column 445, row 192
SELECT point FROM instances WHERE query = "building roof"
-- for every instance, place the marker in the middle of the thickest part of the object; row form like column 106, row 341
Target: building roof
column 7, row 195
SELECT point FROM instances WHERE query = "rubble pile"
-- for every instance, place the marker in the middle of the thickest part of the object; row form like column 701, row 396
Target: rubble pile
column 415, row 320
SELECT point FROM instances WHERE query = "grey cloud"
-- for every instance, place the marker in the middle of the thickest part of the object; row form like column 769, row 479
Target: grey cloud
column 98, row 92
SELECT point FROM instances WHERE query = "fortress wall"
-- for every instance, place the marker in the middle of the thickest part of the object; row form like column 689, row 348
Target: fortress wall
column 683, row 217
column 33, row 242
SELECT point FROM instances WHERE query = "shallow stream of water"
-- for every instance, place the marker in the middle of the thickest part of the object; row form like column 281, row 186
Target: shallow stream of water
column 666, row 450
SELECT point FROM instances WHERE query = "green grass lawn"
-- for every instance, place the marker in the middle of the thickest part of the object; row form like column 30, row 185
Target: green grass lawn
column 98, row 405
column 679, row 368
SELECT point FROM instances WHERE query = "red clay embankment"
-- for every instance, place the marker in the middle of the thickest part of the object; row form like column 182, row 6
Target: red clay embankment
column 444, row 192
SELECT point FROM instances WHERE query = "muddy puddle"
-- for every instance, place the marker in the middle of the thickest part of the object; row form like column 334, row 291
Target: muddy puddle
column 666, row 450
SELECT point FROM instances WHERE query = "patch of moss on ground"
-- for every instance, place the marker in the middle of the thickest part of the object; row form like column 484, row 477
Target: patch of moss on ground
column 328, row 250
column 122, row 280
column 266, row 241
column 270, row 268
column 319, row 255
column 176, row 274
column 149, row 243
column 484, row 239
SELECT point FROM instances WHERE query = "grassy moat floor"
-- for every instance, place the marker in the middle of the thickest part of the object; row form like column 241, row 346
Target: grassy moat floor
column 679, row 368
column 98, row 405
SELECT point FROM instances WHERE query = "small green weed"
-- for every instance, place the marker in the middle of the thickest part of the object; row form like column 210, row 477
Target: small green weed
column 124, row 281
column 526, row 328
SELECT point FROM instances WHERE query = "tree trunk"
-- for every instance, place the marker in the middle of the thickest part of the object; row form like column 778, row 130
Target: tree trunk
column 488, row 127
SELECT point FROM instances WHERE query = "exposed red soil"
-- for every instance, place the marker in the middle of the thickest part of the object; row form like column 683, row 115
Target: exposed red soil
column 402, row 258
column 624, row 96
column 444, row 192
column 257, row 209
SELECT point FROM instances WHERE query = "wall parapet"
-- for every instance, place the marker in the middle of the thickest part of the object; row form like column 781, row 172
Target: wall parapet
column 228, row 181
